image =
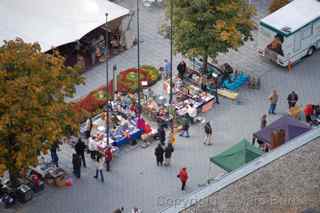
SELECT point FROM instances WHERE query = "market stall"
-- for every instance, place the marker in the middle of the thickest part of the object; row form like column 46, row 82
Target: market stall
column 79, row 38
column 187, row 96
column 280, row 131
column 196, row 69
column 194, row 96
column 223, row 76
column 66, row 25
column 125, row 126
column 123, row 130
column 156, row 111
column 191, row 95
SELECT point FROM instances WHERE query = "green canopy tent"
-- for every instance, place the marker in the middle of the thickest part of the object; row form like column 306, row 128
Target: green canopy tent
column 236, row 156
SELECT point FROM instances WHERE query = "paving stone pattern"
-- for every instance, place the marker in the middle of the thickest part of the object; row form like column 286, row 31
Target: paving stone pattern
column 135, row 180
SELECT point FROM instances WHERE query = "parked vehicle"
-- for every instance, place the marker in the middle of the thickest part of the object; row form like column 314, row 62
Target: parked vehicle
column 290, row 33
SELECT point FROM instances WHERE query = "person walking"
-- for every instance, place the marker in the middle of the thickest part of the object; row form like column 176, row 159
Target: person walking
column 185, row 129
column 167, row 154
column 208, row 132
column 263, row 122
column 191, row 113
column 158, row 152
column 99, row 167
column 92, row 146
column 54, row 155
column 76, row 162
column 166, row 68
column 183, row 176
column 292, row 99
column 108, row 157
column 308, row 112
column 80, row 148
column 214, row 90
column 88, row 128
column 172, row 137
column 182, row 68
column 273, row 98
column 162, row 135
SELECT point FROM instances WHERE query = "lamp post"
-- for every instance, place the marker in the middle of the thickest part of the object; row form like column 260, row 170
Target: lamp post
column 171, row 50
column 114, row 80
column 171, row 70
column 107, row 78
column 138, row 54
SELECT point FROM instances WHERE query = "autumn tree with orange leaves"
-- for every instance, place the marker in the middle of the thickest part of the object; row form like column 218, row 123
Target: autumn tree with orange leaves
column 33, row 113
column 206, row 28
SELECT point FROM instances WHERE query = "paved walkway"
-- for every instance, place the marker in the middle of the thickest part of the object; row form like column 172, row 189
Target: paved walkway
column 135, row 180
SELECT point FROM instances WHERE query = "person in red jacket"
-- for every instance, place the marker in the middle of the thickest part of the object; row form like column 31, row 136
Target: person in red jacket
column 183, row 176
column 108, row 157
column 308, row 111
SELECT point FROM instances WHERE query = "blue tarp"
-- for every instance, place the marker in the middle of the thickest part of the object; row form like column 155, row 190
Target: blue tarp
column 236, row 83
column 135, row 135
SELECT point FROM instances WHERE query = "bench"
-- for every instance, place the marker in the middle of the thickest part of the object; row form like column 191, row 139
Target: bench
column 233, row 96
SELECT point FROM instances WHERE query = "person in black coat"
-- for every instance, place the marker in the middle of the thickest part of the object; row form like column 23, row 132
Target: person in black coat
column 215, row 86
column 292, row 99
column 159, row 155
column 168, row 153
column 162, row 135
column 76, row 162
column 182, row 68
column 80, row 148
column 208, row 133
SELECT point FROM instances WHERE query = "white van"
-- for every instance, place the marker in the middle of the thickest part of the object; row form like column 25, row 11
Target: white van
column 291, row 32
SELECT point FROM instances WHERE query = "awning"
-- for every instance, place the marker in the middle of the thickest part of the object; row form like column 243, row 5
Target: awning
column 236, row 156
column 291, row 126
column 54, row 22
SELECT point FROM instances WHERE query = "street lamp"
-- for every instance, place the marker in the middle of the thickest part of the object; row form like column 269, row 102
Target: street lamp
column 114, row 80
column 171, row 74
column 171, row 50
column 107, row 72
column 138, row 47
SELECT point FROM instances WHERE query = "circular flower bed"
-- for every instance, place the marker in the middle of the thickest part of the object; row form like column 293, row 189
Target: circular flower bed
column 127, row 81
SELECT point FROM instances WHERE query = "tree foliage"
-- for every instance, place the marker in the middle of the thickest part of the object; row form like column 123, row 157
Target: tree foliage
column 277, row 4
column 209, row 27
column 33, row 113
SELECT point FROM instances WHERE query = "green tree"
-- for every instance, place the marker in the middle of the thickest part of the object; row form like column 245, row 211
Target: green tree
column 208, row 27
column 277, row 4
column 33, row 113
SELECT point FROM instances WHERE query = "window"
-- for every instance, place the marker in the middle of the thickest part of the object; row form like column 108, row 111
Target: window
column 316, row 28
column 297, row 41
column 307, row 32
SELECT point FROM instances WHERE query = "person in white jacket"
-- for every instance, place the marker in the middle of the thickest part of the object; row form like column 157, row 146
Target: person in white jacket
column 92, row 147
column 99, row 167
column 192, row 113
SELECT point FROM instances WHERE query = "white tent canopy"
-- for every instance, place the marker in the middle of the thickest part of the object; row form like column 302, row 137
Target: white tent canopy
column 54, row 22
